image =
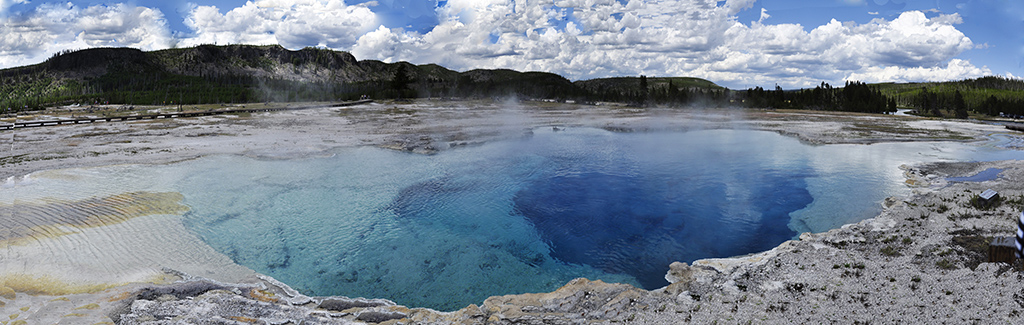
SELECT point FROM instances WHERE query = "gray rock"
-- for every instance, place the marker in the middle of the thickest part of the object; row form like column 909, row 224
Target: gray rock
column 344, row 303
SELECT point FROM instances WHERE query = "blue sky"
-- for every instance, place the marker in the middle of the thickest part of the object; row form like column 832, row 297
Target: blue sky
column 737, row 43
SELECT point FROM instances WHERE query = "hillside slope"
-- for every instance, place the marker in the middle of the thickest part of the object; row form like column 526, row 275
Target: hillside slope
column 986, row 95
column 246, row 73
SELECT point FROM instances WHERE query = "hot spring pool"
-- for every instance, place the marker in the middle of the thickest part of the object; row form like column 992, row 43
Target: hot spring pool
column 526, row 215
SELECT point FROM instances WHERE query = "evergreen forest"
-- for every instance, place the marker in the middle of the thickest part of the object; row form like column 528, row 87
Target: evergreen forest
column 209, row 74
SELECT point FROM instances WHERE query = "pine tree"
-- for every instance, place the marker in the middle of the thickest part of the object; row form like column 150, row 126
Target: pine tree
column 643, row 91
column 401, row 81
column 959, row 106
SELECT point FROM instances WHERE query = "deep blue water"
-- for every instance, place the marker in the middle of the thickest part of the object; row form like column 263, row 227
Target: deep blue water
column 632, row 212
column 528, row 215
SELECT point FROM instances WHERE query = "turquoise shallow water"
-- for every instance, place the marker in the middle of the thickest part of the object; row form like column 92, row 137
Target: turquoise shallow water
column 528, row 215
column 524, row 215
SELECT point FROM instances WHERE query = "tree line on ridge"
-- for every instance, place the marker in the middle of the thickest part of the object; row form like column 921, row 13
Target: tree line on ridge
column 209, row 74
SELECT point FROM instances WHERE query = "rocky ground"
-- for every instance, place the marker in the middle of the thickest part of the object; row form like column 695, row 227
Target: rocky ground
column 924, row 259
column 423, row 127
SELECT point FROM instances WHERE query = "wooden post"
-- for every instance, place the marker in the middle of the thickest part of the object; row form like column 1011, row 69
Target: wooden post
column 1002, row 250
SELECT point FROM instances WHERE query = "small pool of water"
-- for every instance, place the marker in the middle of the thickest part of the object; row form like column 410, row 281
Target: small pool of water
column 985, row 175
column 525, row 215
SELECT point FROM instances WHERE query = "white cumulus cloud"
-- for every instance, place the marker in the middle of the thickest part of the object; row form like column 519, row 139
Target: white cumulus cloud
column 33, row 36
column 699, row 38
column 382, row 44
column 832, row 52
column 579, row 39
column 954, row 69
column 290, row 23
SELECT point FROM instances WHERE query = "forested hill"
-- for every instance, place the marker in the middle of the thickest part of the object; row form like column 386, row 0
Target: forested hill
column 986, row 95
column 246, row 73
column 210, row 74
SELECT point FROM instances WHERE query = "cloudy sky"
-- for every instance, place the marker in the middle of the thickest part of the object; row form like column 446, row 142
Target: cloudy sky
column 736, row 43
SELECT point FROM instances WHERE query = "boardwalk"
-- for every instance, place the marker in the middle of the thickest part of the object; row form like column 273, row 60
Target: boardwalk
column 32, row 124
